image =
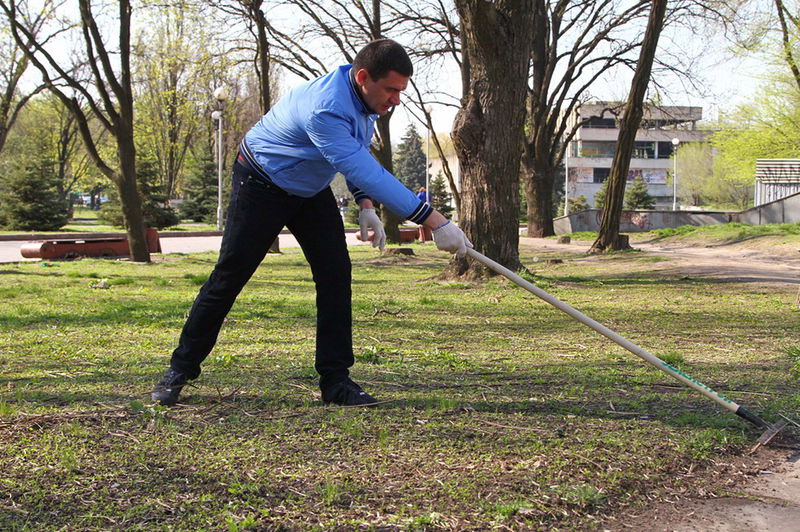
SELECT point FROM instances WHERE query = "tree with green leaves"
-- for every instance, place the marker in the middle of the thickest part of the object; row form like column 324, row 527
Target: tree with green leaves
column 637, row 196
column 599, row 196
column 577, row 204
column 608, row 236
column 45, row 126
column 157, row 212
column 97, row 89
column 173, row 60
column 200, row 204
column 766, row 128
column 409, row 160
column 13, row 65
column 695, row 172
column 29, row 198
column 440, row 198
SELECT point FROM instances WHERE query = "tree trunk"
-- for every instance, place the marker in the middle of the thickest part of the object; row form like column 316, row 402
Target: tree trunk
column 537, row 166
column 129, row 190
column 786, row 39
column 488, row 129
column 130, row 200
column 539, row 176
column 383, row 152
column 262, row 56
column 608, row 238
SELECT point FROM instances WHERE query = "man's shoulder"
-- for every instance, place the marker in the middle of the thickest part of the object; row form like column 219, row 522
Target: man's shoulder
column 334, row 93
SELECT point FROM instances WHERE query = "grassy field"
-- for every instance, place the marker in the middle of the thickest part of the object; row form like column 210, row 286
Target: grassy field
column 85, row 221
column 735, row 233
column 499, row 411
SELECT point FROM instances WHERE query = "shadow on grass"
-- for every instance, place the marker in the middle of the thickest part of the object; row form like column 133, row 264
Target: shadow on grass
column 581, row 391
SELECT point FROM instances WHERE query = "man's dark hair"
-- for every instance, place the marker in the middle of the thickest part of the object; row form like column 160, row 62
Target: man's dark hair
column 381, row 56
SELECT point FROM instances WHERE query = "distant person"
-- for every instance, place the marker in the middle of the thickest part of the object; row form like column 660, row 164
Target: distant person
column 422, row 195
column 281, row 177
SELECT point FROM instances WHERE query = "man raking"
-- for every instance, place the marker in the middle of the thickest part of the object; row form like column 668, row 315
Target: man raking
column 281, row 178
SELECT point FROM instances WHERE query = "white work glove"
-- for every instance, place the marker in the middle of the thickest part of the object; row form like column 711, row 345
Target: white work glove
column 368, row 219
column 449, row 237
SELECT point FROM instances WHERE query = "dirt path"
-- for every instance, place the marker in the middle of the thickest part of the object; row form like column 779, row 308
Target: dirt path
column 762, row 490
column 755, row 494
column 741, row 262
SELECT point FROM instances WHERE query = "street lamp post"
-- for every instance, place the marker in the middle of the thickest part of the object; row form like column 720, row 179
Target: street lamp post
column 566, row 181
column 220, row 94
column 675, row 143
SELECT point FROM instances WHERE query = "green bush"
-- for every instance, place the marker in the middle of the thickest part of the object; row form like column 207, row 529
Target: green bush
column 200, row 204
column 637, row 197
column 154, row 204
column 30, row 199
column 600, row 196
column 440, row 199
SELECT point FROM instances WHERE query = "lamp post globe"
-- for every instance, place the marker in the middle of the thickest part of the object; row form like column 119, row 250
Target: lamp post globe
column 221, row 93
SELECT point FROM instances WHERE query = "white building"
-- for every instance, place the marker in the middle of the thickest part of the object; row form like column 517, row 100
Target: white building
column 776, row 179
column 589, row 154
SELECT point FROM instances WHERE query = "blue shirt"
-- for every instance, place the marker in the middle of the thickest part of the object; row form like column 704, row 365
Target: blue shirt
column 322, row 127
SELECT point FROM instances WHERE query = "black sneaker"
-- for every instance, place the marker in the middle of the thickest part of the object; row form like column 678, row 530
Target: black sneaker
column 347, row 393
column 169, row 387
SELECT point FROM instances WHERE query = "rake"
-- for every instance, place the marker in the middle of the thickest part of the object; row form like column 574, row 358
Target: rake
column 770, row 429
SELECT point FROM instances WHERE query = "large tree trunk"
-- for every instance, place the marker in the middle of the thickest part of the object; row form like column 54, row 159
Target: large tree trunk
column 128, row 187
column 488, row 129
column 608, row 238
column 127, row 183
column 539, row 176
column 131, row 204
column 537, row 165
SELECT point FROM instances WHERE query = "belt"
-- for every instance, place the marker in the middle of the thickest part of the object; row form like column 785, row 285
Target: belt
column 246, row 159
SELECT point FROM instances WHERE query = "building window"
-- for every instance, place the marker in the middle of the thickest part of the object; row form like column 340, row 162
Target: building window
column 598, row 148
column 644, row 149
column 664, row 150
column 600, row 175
column 595, row 121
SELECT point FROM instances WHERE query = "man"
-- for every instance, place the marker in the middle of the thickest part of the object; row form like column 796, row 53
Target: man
column 281, row 177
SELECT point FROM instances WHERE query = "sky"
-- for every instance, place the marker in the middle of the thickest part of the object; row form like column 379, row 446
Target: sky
column 726, row 82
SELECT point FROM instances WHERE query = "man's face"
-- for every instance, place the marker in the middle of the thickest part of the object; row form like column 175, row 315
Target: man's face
column 383, row 94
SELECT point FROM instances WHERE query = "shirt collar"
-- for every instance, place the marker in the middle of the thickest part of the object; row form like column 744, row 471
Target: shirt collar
column 357, row 91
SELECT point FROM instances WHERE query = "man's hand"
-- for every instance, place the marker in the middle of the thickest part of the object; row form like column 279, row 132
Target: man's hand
column 449, row 237
column 368, row 219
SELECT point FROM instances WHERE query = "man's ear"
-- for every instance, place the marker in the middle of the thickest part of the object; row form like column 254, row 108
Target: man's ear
column 361, row 76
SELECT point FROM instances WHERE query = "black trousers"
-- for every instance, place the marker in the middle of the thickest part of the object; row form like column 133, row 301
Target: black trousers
column 257, row 212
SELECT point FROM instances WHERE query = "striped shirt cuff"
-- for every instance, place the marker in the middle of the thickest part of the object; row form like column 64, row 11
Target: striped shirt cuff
column 422, row 212
column 358, row 194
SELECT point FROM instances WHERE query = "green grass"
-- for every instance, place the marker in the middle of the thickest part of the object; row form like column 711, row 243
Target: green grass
column 86, row 221
column 499, row 410
column 730, row 232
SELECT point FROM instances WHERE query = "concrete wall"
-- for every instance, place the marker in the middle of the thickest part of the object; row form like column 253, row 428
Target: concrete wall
column 639, row 221
column 782, row 211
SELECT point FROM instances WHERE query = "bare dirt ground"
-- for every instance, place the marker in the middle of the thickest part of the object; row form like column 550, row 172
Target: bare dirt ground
column 754, row 493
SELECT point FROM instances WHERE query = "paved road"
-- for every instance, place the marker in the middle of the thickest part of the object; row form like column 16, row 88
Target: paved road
column 10, row 250
column 718, row 261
